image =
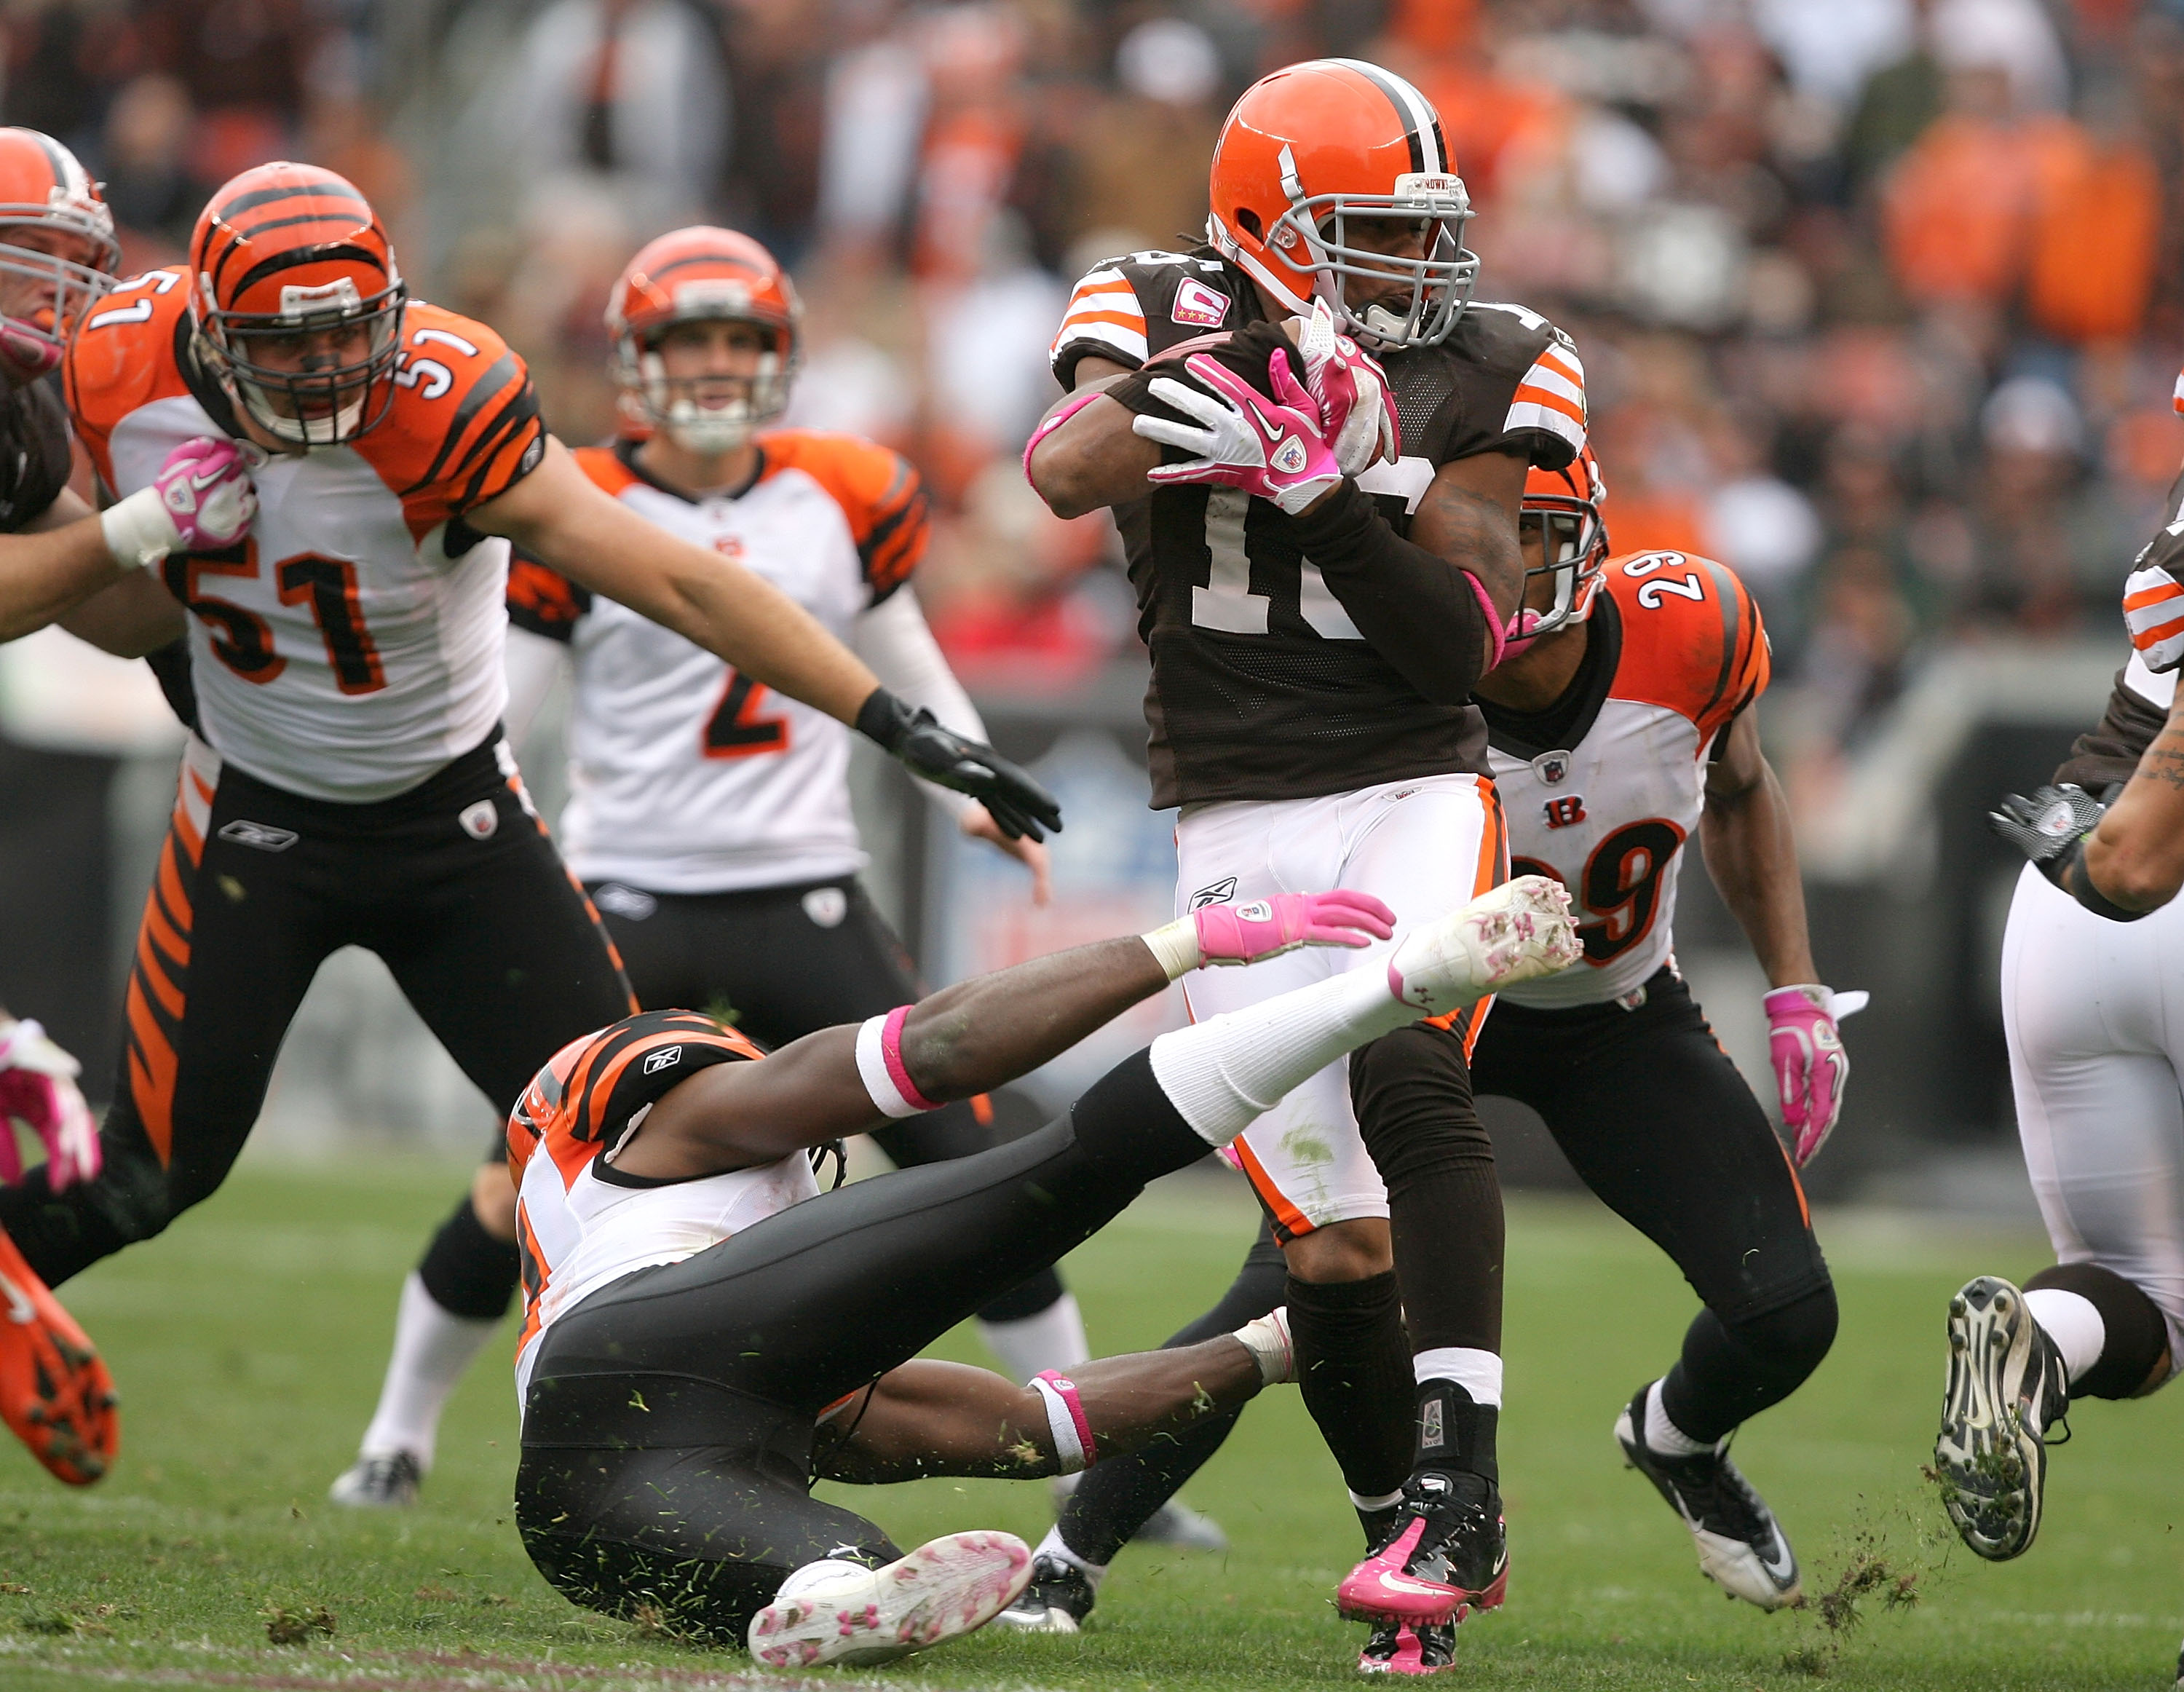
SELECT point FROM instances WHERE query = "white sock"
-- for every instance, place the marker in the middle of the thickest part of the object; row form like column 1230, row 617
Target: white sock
column 432, row 1348
column 1370, row 1504
column 1052, row 1546
column 1053, row 1339
column 1221, row 1073
column 1663, row 1435
column 1477, row 1372
column 2073, row 1322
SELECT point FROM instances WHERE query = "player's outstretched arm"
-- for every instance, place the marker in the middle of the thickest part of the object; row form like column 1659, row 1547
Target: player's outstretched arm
column 927, row 1417
column 53, row 564
column 966, row 1039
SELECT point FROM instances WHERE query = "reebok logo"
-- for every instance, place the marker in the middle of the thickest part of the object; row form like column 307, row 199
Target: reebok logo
column 261, row 836
column 1219, row 892
column 665, row 1058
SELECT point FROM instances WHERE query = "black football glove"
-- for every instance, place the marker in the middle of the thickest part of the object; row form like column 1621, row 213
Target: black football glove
column 1018, row 804
column 2047, row 827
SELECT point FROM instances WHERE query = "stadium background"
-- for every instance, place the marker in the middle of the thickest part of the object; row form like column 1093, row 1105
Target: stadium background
column 1880, row 302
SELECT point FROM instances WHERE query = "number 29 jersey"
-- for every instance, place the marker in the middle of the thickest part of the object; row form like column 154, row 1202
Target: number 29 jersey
column 1602, row 790
column 1262, row 687
column 685, row 776
column 351, row 645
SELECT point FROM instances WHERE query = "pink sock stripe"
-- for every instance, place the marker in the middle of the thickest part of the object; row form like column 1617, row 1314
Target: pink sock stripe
column 1493, row 617
column 1068, row 1388
column 1070, row 406
column 891, row 1052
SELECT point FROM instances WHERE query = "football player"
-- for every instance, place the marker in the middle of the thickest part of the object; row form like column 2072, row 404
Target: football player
column 1313, row 653
column 347, row 781
column 2096, row 1068
column 57, row 258
column 703, row 1333
column 708, row 818
column 1622, row 722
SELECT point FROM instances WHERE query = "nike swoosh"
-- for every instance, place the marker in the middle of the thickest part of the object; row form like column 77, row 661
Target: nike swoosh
column 1777, row 1570
column 1403, row 1582
column 20, row 1310
column 1259, row 417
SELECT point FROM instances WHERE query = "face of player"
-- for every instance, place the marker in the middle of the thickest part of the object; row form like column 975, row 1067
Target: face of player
column 1404, row 239
column 315, row 352
column 31, row 293
column 713, row 362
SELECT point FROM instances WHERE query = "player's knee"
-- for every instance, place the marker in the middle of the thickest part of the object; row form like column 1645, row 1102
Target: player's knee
column 1411, row 1092
column 1353, row 1250
column 1792, row 1339
column 133, row 1193
column 467, row 1271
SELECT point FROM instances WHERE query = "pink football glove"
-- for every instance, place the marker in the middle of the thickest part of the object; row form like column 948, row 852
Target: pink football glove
column 1350, row 390
column 205, row 490
column 1272, row 448
column 1810, row 1064
column 37, row 1086
column 1267, row 927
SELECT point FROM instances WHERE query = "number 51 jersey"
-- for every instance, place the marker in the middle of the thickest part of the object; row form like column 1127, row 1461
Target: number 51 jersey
column 351, row 646
column 1602, row 790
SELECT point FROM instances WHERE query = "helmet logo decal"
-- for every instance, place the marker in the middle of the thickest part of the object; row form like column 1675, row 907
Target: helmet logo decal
column 339, row 295
column 1199, row 305
column 712, row 297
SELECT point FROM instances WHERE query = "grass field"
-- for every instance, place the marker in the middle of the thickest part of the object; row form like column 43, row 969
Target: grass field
column 248, row 1343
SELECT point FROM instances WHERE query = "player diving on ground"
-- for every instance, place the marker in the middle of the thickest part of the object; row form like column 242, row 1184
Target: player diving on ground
column 701, row 1343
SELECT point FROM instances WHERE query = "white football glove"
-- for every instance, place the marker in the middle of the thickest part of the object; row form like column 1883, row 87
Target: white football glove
column 1351, row 391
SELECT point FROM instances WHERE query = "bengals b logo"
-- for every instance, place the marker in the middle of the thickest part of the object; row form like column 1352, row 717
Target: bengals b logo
column 1564, row 810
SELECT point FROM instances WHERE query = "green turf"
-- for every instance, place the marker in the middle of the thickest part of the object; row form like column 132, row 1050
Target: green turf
column 248, row 1343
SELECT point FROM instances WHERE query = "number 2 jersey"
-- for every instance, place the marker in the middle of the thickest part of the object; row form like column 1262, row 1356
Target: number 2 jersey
column 684, row 775
column 351, row 645
column 1602, row 789
column 1262, row 687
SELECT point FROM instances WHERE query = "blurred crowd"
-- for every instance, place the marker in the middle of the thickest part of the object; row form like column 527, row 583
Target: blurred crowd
column 1880, row 301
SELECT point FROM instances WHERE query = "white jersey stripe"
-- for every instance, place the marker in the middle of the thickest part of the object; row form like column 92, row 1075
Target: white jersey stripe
column 1525, row 415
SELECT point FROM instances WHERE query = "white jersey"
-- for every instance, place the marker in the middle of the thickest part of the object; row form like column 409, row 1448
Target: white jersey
column 684, row 775
column 578, row 1228
column 352, row 645
column 1603, row 790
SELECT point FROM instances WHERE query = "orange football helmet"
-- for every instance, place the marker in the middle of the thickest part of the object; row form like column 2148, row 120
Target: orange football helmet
column 57, row 251
column 1566, row 504
column 1312, row 147
column 704, row 274
column 297, row 302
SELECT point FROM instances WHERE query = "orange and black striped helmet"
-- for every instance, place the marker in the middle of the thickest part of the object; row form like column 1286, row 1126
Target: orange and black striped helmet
column 1312, row 147
column 298, row 303
column 699, row 275
column 1566, row 504
column 57, row 251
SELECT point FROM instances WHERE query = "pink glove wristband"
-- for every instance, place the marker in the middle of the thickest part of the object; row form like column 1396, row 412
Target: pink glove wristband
column 1810, row 1064
column 1265, row 928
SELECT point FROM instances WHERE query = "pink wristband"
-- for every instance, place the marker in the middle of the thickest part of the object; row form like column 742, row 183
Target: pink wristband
column 891, row 1050
column 881, row 1067
column 1070, row 406
column 1065, row 1390
column 1493, row 617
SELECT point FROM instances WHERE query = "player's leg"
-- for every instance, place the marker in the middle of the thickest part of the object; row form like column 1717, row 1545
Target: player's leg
column 1303, row 1156
column 2094, row 1068
column 236, row 924
column 1657, row 1121
column 1115, row 1501
column 791, row 960
column 504, row 960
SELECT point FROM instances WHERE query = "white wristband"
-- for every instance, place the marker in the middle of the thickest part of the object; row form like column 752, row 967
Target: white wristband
column 1175, row 946
column 138, row 530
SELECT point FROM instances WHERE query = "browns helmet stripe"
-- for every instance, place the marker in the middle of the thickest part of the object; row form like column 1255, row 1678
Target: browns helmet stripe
column 1421, row 127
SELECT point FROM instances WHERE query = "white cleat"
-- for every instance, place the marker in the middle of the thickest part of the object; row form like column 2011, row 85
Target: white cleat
column 387, row 1481
column 838, row 1611
column 1517, row 932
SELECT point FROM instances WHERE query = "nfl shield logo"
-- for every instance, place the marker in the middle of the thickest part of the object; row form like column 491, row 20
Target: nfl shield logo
column 1552, row 768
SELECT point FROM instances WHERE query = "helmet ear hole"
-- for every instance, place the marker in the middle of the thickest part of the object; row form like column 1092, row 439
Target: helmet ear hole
column 1248, row 221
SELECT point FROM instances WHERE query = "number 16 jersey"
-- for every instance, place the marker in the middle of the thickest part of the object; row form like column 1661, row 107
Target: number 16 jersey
column 351, row 646
column 1602, row 789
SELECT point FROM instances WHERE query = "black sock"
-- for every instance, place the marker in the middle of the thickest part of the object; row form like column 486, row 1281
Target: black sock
column 1732, row 1371
column 2137, row 1334
column 468, row 1272
column 1456, row 1434
column 1119, row 1494
column 1354, row 1371
column 1412, row 1091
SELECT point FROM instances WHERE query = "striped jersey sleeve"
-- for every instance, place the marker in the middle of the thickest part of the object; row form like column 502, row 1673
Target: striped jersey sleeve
column 879, row 492
column 1105, row 319
column 1550, row 396
column 2153, row 593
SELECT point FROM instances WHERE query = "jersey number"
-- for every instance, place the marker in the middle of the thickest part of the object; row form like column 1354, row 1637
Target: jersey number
column 736, row 730
column 1649, row 596
column 245, row 644
column 1621, row 885
column 1227, row 602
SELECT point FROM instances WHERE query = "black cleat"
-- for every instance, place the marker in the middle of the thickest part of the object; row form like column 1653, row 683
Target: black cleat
column 1399, row 1648
column 1741, row 1547
column 2006, row 1387
column 1058, row 1599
